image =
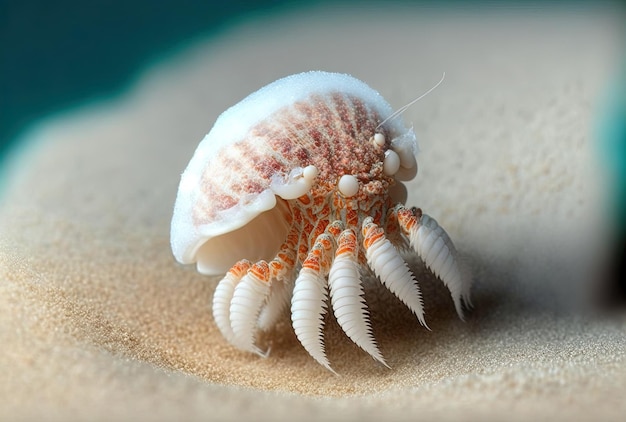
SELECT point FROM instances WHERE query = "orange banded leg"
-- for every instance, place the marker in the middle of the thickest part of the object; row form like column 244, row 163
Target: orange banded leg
column 223, row 296
column 281, row 283
column 346, row 292
column 248, row 298
column 394, row 233
column 308, row 302
column 282, row 275
column 433, row 245
column 384, row 259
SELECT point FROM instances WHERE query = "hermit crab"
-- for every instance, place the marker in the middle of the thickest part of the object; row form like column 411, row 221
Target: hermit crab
column 293, row 194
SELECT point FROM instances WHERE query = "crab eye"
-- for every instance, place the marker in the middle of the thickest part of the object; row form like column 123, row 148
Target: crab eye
column 309, row 173
column 391, row 163
column 379, row 139
column 348, row 185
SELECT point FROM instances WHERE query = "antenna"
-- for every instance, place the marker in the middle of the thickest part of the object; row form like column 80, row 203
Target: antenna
column 404, row 108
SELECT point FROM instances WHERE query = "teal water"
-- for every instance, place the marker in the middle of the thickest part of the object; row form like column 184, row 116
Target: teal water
column 59, row 54
column 612, row 143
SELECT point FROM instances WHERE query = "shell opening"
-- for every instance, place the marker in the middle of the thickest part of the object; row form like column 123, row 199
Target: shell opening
column 260, row 238
column 189, row 232
column 348, row 185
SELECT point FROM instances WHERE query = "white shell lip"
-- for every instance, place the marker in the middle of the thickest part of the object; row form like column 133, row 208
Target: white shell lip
column 187, row 236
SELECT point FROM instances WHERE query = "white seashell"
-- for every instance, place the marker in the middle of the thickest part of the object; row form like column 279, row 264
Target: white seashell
column 221, row 191
column 290, row 193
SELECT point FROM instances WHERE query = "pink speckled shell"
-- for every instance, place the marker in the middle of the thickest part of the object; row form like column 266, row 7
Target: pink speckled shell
column 315, row 118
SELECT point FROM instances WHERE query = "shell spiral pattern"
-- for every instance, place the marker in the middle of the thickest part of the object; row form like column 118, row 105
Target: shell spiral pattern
column 291, row 193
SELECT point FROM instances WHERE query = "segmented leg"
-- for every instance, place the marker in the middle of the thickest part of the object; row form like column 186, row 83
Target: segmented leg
column 393, row 232
column 389, row 266
column 434, row 247
column 223, row 296
column 281, row 281
column 308, row 303
column 346, row 294
column 248, row 298
column 277, row 302
column 263, row 283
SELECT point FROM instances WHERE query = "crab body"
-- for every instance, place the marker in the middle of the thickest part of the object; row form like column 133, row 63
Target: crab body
column 293, row 192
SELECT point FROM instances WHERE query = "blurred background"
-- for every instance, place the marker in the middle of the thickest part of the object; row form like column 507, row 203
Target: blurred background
column 61, row 55
column 55, row 55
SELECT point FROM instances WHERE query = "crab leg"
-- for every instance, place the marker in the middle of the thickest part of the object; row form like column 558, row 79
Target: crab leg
column 346, row 295
column 281, row 283
column 394, row 233
column 434, row 247
column 277, row 301
column 248, row 298
column 384, row 259
column 308, row 303
column 223, row 296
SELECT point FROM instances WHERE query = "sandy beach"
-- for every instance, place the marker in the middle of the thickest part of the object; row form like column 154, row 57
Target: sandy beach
column 98, row 322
